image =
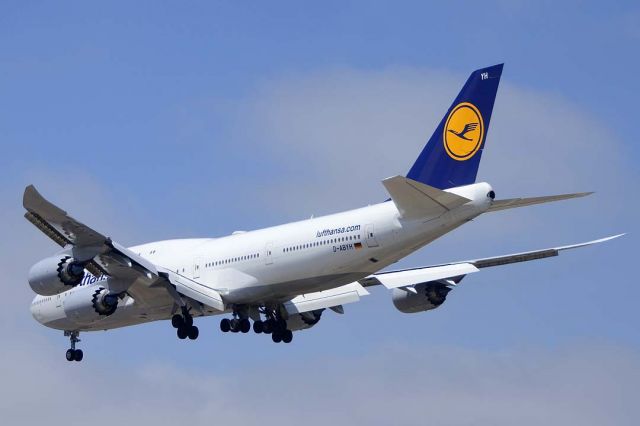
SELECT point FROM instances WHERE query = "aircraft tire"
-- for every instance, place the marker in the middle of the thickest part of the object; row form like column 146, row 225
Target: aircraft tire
column 177, row 321
column 193, row 332
column 245, row 325
column 225, row 325
column 235, row 325
column 188, row 320
column 182, row 333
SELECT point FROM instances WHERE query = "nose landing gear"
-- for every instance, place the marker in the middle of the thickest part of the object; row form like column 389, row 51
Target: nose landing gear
column 73, row 354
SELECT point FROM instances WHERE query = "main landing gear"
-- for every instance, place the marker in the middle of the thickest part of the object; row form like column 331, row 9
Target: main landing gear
column 273, row 325
column 74, row 354
column 235, row 325
column 184, row 325
column 277, row 328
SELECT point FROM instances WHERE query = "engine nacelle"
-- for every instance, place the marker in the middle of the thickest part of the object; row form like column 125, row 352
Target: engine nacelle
column 54, row 275
column 428, row 296
column 90, row 304
column 304, row 320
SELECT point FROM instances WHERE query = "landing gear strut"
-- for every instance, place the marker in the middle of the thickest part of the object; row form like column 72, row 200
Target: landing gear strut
column 73, row 354
column 184, row 325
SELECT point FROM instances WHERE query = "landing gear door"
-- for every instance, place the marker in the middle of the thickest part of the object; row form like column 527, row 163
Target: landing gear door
column 371, row 236
column 268, row 254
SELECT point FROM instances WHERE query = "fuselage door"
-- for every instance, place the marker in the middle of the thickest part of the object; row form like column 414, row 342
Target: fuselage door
column 197, row 267
column 371, row 236
column 268, row 254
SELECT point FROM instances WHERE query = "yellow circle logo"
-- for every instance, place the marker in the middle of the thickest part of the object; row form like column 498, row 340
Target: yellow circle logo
column 463, row 131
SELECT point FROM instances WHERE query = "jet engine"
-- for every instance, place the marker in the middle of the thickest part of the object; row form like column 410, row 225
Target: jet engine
column 90, row 304
column 54, row 275
column 427, row 296
column 304, row 320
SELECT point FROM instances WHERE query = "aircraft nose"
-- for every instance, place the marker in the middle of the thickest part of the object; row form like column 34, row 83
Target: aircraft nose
column 35, row 310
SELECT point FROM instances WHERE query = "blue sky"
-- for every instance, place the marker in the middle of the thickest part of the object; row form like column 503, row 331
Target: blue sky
column 157, row 120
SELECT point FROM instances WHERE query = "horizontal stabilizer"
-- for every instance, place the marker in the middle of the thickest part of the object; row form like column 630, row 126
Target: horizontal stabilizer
column 512, row 203
column 416, row 200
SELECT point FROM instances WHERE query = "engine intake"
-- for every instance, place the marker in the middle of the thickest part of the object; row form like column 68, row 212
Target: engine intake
column 104, row 302
column 428, row 296
column 70, row 272
column 90, row 304
column 56, row 274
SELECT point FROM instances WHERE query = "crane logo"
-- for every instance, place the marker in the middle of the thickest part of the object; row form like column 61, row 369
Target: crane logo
column 463, row 131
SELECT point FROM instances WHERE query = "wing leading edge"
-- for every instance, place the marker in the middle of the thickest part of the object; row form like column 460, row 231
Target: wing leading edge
column 453, row 272
column 102, row 256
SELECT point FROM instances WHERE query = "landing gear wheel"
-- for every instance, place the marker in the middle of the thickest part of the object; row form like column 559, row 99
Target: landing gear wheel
column 193, row 332
column 188, row 320
column 177, row 321
column 258, row 327
column 182, row 333
column 235, row 325
column 73, row 354
column 267, row 327
column 78, row 355
column 245, row 325
column 276, row 336
column 287, row 336
column 225, row 325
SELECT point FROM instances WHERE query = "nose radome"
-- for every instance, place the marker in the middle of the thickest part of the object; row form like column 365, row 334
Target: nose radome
column 35, row 309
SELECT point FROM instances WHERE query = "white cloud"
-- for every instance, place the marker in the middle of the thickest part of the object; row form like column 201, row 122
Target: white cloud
column 403, row 385
column 347, row 129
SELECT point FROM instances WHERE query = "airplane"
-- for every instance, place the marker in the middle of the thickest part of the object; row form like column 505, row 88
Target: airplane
column 282, row 279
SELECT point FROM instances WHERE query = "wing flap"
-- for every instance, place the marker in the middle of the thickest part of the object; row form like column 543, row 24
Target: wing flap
column 410, row 277
column 195, row 290
column 349, row 293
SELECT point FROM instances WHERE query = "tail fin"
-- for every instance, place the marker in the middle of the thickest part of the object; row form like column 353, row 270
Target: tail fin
column 452, row 155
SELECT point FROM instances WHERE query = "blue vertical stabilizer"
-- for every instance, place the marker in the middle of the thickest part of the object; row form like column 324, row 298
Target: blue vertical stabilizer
column 452, row 155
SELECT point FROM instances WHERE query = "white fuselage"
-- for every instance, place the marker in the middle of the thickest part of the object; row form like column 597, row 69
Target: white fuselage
column 278, row 263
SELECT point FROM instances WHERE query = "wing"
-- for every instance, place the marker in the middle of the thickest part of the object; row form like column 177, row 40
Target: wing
column 452, row 273
column 134, row 274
